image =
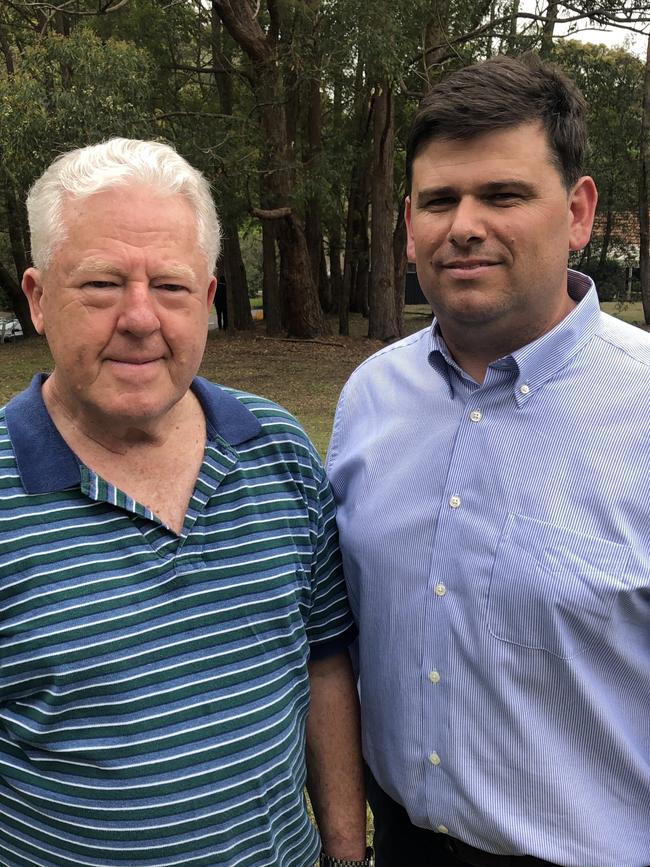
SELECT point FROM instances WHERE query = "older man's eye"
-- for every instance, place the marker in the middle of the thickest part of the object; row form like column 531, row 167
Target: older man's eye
column 171, row 287
column 99, row 284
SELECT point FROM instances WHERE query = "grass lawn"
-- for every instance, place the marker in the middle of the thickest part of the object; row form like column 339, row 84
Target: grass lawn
column 632, row 312
column 304, row 376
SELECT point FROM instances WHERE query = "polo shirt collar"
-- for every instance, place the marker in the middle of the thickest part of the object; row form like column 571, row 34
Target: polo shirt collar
column 537, row 362
column 45, row 461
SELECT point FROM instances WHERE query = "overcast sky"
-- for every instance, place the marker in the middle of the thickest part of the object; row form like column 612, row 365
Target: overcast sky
column 611, row 38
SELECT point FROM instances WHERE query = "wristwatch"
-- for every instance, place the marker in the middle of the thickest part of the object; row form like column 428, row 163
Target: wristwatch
column 331, row 861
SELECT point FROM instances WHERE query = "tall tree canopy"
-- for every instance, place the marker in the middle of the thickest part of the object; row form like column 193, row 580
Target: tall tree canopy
column 296, row 110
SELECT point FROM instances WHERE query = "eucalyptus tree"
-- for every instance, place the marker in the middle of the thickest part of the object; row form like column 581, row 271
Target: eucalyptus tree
column 263, row 40
column 644, row 193
column 612, row 81
column 60, row 87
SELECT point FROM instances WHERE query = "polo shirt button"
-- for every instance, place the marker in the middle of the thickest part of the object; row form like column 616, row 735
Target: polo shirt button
column 440, row 589
column 454, row 501
column 524, row 389
column 475, row 415
column 434, row 758
column 434, row 677
column 442, row 829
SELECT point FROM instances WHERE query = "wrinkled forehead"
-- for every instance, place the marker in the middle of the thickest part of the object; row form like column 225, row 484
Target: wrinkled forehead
column 134, row 215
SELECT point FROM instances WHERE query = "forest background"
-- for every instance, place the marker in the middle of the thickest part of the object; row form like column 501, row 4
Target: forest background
column 296, row 111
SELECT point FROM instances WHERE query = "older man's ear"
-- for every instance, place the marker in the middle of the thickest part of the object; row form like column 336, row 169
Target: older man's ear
column 33, row 289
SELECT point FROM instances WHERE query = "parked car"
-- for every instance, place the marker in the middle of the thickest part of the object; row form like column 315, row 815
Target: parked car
column 10, row 328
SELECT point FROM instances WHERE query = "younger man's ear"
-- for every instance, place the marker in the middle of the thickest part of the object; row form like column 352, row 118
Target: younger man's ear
column 582, row 205
column 410, row 243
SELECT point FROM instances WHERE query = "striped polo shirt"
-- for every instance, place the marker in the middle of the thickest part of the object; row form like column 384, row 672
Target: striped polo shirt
column 153, row 687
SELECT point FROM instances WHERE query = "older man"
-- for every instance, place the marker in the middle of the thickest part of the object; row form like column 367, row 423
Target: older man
column 492, row 475
column 170, row 576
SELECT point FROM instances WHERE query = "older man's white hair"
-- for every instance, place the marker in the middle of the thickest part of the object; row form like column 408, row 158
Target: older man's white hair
column 118, row 162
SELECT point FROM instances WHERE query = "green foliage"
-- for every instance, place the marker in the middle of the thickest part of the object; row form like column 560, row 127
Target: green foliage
column 67, row 92
column 611, row 279
column 611, row 80
column 149, row 70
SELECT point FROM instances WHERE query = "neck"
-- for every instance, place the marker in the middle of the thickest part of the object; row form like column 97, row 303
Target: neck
column 87, row 433
column 474, row 346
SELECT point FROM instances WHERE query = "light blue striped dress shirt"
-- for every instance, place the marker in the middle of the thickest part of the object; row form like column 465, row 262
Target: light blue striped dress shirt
column 496, row 542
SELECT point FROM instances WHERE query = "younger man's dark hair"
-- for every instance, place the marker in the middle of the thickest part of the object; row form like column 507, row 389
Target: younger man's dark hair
column 500, row 93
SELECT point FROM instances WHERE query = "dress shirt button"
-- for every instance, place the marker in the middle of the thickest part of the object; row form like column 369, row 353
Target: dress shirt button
column 434, row 758
column 454, row 501
column 434, row 677
column 524, row 389
column 440, row 589
column 442, row 829
column 475, row 415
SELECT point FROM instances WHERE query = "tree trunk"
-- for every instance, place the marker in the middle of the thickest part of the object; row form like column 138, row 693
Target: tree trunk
column 361, row 285
column 356, row 237
column 300, row 304
column 609, row 225
column 325, row 293
column 336, row 275
column 302, row 313
column 239, row 305
column 314, row 227
column 548, row 29
column 435, row 38
column 270, row 285
column 353, row 294
column 17, row 231
column 382, row 324
column 512, row 37
column 312, row 156
column 644, row 194
column 399, row 256
column 15, row 217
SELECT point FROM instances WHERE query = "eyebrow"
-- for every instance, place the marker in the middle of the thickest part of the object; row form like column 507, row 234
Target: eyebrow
column 104, row 266
column 515, row 184
column 96, row 266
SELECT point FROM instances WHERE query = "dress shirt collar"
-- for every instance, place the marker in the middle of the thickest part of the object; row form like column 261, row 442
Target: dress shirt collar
column 536, row 362
column 47, row 464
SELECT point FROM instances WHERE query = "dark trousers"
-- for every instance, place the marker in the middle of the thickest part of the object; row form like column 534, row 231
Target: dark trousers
column 222, row 316
column 399, row 843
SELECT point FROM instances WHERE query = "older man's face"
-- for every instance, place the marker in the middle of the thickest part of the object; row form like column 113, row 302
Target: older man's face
column 124, row 305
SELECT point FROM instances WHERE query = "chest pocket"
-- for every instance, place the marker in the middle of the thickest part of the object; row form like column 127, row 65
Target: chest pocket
column 552, row 588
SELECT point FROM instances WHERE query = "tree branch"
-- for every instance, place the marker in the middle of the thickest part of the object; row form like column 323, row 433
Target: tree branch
column 602, row 16
column 275, row 214
column 244, row 28
column 68, row 7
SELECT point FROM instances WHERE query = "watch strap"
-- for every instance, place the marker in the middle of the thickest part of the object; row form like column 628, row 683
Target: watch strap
column 332, row 861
